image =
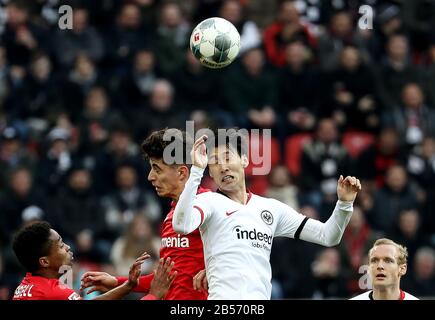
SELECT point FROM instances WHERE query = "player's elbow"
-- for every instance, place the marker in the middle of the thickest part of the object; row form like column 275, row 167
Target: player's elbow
column 332, row 242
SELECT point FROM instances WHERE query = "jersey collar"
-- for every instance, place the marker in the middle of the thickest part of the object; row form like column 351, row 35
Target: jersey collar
column 402, row 295
column 247, row 200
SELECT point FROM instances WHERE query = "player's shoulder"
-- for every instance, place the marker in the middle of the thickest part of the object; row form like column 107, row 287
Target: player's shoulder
column 60, row 291
column 362, row 296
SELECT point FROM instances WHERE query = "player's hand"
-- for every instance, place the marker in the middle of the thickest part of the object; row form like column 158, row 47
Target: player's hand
column 135, row 270
column 347, row 188
column 162, row 278
column 98, row 281
column 200, row 281
column 199, row 153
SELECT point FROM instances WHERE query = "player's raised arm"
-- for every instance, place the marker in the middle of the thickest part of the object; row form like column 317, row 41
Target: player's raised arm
column 330, row 233
column 188, row 217
column 295, row 225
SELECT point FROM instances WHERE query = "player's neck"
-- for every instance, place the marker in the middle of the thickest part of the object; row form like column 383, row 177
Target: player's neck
column 46, row 273
column 239, row 195
column 387, row 293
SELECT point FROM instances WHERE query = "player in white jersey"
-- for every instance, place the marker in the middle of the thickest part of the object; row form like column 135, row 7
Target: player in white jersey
column 387, row 264
column 238, row 227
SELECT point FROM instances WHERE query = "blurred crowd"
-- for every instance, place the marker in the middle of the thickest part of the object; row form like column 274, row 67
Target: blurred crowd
column 76, row 104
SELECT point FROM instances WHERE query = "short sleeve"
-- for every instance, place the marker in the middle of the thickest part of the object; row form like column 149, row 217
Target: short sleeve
column 290, row 222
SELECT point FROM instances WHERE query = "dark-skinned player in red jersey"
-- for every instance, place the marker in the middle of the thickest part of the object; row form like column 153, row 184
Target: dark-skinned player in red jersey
column 185, row 251
column 43, row 254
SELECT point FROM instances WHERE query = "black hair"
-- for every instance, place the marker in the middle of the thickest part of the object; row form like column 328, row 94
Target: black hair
column 154, row 145
column 31, row 243
column 232, row 138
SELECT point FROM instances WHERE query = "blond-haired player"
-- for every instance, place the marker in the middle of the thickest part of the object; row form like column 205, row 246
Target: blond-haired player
column 387, row 265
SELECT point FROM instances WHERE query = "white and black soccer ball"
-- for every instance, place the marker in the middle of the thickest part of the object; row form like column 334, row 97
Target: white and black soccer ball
column 215, row 42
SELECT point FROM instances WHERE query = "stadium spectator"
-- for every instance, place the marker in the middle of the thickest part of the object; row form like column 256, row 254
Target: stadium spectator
column 119, row 149
column 420, row 164
column 195, row 88
column 13, row 153
column 20, row 194
column 136, row 87
column 395, row 70
column 250, row 92
column 171, row 38
column 297, row 80
column 353, row 100
column 422, row 280
column 341, row 32
column 282, row 188
column 250, row 36
column 128, row 200
column 21, row 36
column 358, row 238
column 96, row 120
column 414, row 119
column 83, row 38
column 322, row 159
column 288, row 27
column 77, row 213
column 397, row 194
column 125, row 37
column 137, row 238
column 374, row 162
column 329, row 276
column 407, row 229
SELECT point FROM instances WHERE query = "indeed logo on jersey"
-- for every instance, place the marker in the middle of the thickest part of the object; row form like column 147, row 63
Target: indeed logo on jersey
column 175, row 242
column 259, row 239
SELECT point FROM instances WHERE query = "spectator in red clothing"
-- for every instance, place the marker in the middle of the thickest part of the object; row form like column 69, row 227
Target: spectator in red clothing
column 288, row 27
column 374, row 162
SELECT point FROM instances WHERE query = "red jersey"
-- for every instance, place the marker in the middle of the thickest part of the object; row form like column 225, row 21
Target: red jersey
column 186, row 252
column 40, row 288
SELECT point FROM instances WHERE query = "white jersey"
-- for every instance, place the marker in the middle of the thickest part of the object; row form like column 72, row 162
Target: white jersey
column 237, row 238
column 237, row 241
column 369, row 296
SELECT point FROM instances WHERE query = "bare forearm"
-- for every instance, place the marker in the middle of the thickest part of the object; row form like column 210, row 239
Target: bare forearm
column 116, row 293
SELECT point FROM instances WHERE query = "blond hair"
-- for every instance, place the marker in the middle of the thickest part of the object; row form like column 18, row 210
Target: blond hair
column 403, row 252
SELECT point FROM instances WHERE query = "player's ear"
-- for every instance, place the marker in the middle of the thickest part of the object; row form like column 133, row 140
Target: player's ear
column 402, row 269
column 245, row 160
column 44, row 262
column 183, row 172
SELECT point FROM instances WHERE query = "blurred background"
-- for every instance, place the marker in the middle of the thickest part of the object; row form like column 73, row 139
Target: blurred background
column 76, row 104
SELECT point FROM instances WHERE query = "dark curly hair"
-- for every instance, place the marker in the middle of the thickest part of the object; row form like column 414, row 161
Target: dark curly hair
column 31, row 243
column 153, row 147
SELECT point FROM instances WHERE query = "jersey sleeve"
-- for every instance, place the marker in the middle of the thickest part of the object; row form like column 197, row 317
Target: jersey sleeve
column 192, row 209
column 290, row 222
column 144, row 282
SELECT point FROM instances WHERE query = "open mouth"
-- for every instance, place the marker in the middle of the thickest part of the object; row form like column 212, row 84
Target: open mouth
column 227, row 178
column 380, row 276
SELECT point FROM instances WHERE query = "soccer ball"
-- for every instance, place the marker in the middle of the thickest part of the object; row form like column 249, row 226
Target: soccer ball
column 215, row 42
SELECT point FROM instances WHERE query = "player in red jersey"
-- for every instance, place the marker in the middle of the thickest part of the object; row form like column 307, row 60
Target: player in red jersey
column 43, row 254
column 185, row 251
